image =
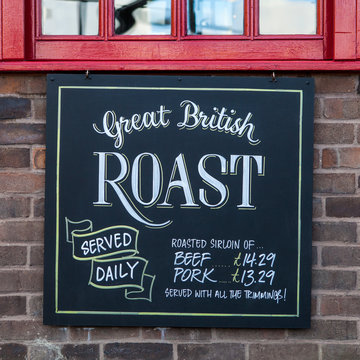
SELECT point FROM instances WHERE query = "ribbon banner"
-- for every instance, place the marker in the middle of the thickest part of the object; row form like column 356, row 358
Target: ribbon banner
column 112, row 253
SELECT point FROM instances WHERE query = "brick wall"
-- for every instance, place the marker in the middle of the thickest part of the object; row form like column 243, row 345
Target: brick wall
column 335, row 330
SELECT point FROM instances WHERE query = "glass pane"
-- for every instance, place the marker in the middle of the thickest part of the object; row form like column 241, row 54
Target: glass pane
column 143, row 17
column 215, row 17
column 70, row 17
column 288, row 17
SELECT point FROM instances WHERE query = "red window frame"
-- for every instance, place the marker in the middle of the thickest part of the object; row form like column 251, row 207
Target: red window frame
column 178, row 45
column 336, row 40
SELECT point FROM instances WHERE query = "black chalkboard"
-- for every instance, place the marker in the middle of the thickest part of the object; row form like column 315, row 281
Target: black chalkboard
column 178, row 201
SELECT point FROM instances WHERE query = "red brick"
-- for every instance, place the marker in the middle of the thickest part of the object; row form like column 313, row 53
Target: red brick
column 334, row 231
column 81, row 351
column 329, row 158
column 39, row 158
column 333, row 108
column 316, row 160
column 340, row 305
column 341, row 157
column 333, row 280
column 314, row 310
column 13, row 351
column 22, row 231
column 223, row 351
column 334, row 183
column 30, row 330
column 177, row 334
column 45, row 350
column 334, row 133
column 22, row 134
column 347, row 207
column 283, row 351
column 21, row 280
column 327, row 330
column 341, row 108
column 250, row 334
column 39, row 208
column 321, row 329
column 36, row 255
column 104, row 333
column 33, row 84
column 14, row 108
column 349, row 157
column 318, row 111
column 39, row 108
column 22, row 182
column 336, row 83
column 340, row 352
column 10, row 83
column 13, row 255
column 12, row 305
column 14, row 207
column 317, row 208
column 314, row 255
column 36, row 306
column 341, row 256
column 14, row 158
column 20, row 83
column 351, row 109
column 138, row 351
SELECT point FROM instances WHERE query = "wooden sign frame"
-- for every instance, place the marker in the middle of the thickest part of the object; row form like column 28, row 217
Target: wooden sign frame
column 178, row 201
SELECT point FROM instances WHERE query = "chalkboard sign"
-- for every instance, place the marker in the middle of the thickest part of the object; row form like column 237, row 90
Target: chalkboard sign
column 178, row 201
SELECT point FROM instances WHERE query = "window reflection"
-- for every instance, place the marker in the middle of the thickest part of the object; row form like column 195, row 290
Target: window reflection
column 70, row 17
column 215, row 17
column 288, row 17
column 142, row 17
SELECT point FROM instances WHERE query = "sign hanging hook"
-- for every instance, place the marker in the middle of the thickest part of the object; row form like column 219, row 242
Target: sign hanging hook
column 273, row 77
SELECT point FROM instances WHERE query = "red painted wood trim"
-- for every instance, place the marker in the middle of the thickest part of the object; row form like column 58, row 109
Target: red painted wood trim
column 13, row 25
column 37, row 20
column 358, row 28
column 248, row 18
column 328, row 29
column 168, row 66
column 103, row 21
column 344, row 29
column 30, row 28
column 180, row 50
column 1, row 16
column 174, row 18
column 181, row 19
column 320, row 17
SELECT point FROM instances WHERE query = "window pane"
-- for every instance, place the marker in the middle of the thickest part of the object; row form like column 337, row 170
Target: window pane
column 215, row 17
column 143, row 17
column 288, row 17
column 70, row 17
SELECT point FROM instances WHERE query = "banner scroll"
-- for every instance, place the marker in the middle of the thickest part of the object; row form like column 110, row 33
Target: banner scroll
column 112, row 252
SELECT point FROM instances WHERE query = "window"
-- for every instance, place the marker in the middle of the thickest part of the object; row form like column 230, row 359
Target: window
column 179, row 34
column 204, row 17
column 195, row 30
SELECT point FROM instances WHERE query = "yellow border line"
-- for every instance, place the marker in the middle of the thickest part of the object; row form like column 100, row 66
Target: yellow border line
column 172, row 314
column 57, row 201
column 178, row 89
column 299, row 198
column 300, row 92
